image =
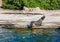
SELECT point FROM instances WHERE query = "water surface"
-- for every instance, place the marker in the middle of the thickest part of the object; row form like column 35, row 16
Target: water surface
column 26, row 35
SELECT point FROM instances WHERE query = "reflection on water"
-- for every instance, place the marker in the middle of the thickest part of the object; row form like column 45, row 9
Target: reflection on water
column 25, row 35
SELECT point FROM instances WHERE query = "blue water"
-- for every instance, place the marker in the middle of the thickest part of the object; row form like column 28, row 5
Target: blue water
column 25, row 35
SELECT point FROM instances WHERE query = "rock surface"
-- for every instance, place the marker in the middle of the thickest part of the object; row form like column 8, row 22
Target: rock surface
column 52, row 17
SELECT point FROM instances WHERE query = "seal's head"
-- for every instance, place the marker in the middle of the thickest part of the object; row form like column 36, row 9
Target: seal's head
column 43, row 17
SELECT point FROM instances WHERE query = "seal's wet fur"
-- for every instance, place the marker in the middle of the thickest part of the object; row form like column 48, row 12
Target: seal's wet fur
column 36, row 23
